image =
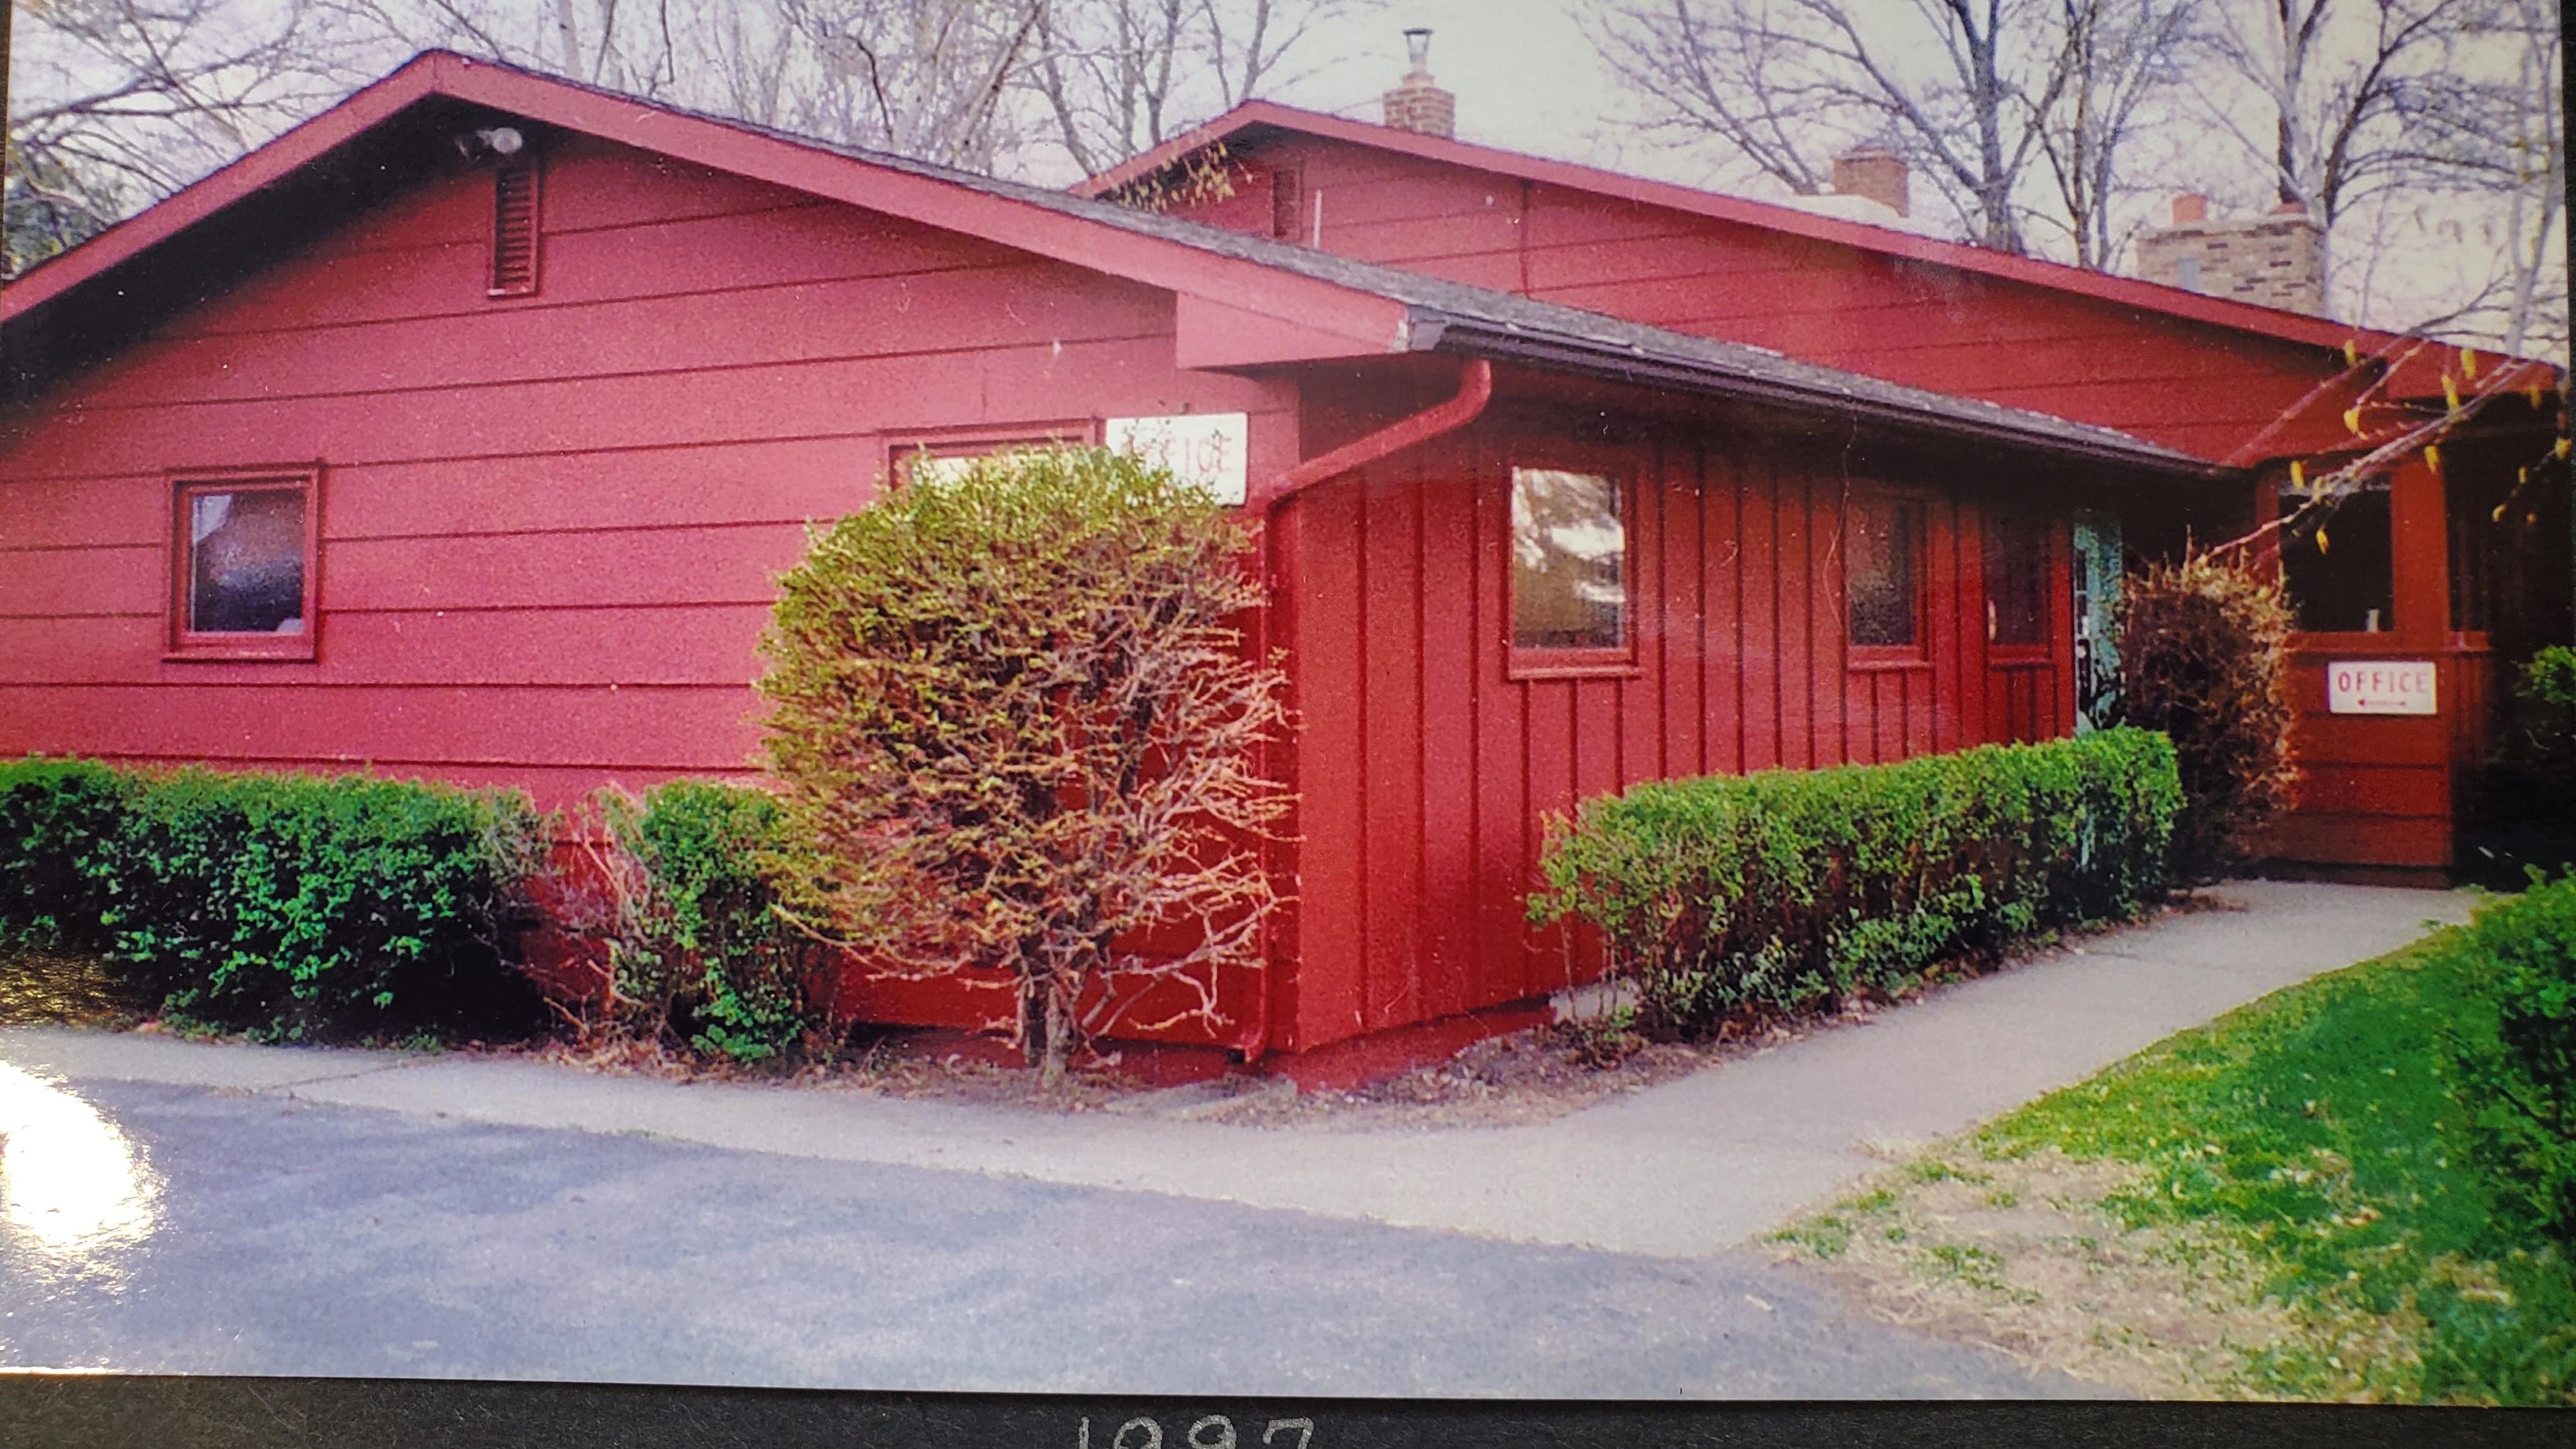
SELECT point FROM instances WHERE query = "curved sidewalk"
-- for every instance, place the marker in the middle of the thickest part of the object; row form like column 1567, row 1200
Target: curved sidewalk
column 1689, row 1169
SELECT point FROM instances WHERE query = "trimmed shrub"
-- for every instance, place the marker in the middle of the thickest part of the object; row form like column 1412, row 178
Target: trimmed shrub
column 698, row 953
column 1787, row 889
column 60, row 824
column 1015, row 728
column 281, row 905
column 2204, row 660
column 2518, row 1083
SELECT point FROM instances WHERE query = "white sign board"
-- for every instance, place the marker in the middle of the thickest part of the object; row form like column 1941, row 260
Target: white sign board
column 1202, row 448
column 2379, row 686
column 931, row 468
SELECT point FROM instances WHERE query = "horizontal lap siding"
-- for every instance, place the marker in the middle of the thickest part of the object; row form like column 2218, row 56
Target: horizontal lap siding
column 1954, row 332
column 2198, row 388
column 1426, row 772
column 550, row 526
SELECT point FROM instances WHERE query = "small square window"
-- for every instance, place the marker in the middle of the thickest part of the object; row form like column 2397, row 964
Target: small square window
column 243, row 585
column 1882, row 575
column 1570, row 575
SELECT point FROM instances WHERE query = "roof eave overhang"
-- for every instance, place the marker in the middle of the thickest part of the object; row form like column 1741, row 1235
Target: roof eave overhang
column 1331, row 316
column 1440, row 332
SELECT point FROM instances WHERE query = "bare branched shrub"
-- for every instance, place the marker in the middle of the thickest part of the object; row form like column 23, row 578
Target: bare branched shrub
column 1015, row 728
column 2204, row 657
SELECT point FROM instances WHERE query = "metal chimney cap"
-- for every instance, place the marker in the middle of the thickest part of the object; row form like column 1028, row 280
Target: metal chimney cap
column 1417, row 48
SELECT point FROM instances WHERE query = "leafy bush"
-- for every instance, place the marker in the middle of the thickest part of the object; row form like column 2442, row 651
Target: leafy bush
column 2518, row 1084
column 1789, row 888
column 60, row 822
column 2204, row 659
column 284, row 905
column 697, row 953
column 1014, row 727
column 2537, row 750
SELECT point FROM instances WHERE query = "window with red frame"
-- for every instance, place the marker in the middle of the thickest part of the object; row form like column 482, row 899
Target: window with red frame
column 1570, row 575
column 245, row 557
column 1882, row 577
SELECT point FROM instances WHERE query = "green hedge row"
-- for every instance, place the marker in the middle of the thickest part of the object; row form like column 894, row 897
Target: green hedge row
column 2517, row 1082
column 1785, row 890
column 283, row 905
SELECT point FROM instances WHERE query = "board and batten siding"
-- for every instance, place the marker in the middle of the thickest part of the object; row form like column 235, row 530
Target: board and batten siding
column 550, row 525
column 1426, row 772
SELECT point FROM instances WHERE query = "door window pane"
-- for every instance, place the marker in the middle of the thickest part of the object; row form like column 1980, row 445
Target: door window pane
column 1880, row 546
column 2017, row 578
column 1569, row 561
column 246, row 562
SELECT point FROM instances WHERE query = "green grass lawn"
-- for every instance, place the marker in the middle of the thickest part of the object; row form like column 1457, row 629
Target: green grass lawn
column 2313, row 1131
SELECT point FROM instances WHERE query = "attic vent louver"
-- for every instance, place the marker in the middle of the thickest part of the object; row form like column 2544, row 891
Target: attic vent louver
column 514, row 228
column 1284, row 198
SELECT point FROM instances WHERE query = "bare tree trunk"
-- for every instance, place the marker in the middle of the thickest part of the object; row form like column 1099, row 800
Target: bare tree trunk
column 1036, row 1042
column 1059, row 1030
column 568, row 38
column 1959, row 88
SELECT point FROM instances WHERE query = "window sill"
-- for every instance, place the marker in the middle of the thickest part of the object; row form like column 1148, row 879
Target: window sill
column 1873, row 661
column 292, row 649
column 1573, row 665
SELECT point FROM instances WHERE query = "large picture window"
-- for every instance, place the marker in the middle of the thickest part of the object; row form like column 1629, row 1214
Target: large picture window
column 1882, row 578
column 1570, row 574
column 245, row 566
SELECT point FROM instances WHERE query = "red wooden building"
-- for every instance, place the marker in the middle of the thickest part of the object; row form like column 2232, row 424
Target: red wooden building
column 2423, row 572
column 460, row 432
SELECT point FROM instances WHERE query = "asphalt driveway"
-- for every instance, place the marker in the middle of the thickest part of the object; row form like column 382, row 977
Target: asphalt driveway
column 172, row 1206
column 266, row 1235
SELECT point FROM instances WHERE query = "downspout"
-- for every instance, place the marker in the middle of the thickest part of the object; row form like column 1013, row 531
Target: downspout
column 1475, row 389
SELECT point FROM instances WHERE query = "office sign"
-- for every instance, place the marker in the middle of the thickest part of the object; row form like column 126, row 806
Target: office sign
column 1202, row 448
column 2380, row 686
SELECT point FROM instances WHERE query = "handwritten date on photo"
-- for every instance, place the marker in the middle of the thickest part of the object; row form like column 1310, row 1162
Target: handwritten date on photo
column 1216, row 1431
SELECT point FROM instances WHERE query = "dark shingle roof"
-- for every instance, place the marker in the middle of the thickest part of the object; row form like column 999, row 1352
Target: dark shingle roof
column 1441, row 315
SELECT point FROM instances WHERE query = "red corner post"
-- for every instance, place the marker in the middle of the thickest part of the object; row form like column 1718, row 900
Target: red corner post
column 1475, row 389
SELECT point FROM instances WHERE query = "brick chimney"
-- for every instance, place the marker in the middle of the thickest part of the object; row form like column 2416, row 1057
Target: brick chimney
column 2277, row 260
column 1417, row 104
column 1874, row 172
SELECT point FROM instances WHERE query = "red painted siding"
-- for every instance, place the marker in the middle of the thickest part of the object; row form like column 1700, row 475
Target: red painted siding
column 1427, row 770
column 549, row 524
column 2199, row 388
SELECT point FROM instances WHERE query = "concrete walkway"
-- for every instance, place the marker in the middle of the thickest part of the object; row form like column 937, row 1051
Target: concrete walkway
column 1688, row 1169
